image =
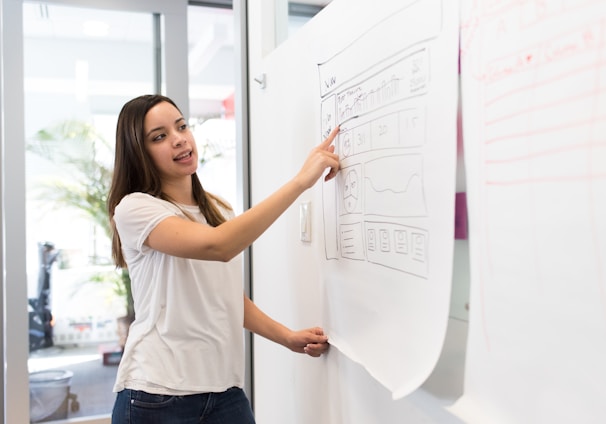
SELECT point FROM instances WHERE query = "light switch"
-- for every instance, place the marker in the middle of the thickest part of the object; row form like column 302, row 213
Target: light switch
column 305, row 221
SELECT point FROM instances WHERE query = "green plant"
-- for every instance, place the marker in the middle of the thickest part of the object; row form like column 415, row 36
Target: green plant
column 122, row 287
column 84, row 159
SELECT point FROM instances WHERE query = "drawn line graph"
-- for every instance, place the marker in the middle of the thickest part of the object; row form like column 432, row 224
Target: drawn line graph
column 395, row 197
column 406, row 78
column 362, row 102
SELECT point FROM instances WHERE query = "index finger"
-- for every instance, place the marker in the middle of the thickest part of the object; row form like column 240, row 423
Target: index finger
column 330, row 137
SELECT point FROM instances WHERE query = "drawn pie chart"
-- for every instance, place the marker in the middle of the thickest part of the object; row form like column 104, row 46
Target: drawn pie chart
column 350, row 191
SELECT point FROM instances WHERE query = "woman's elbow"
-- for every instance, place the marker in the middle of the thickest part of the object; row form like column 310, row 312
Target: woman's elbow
column 225, row 257
column 221, row 249
column 223, row 254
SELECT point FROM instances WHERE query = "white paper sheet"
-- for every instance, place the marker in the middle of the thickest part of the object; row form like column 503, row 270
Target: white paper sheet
column 388, row 77
column 534, row 114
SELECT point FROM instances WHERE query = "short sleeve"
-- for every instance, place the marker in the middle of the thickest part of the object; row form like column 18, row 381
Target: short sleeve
column 137, row 215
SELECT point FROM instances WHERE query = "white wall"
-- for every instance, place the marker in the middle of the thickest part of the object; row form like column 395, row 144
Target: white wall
column 291, row 388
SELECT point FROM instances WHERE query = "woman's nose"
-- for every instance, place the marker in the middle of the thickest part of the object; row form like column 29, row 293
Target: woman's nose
column 179, row 140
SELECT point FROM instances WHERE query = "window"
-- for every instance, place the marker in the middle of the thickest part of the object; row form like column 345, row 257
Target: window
column 212, row 74
column 100, row 59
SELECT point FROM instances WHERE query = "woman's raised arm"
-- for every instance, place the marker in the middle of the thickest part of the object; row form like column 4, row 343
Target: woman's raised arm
column 183, row 238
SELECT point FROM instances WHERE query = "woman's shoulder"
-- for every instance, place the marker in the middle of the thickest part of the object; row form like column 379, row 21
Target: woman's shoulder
column 137, row 212
column 138, row 200
column 139, row 197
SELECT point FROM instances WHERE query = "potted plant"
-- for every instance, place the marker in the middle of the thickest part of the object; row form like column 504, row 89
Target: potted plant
column 85, row 158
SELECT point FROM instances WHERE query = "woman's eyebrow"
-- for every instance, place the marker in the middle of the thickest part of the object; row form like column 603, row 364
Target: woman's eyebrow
column 161, row 128
column 152, row 130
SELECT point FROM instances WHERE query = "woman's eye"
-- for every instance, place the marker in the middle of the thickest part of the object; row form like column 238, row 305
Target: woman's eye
column 183, row 127
column 158, row 137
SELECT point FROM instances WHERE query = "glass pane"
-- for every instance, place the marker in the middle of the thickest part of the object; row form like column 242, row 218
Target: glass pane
column 81, row 65
column 211, row 93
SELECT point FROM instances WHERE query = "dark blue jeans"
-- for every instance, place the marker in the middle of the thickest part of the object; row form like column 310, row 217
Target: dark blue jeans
column 137, row 407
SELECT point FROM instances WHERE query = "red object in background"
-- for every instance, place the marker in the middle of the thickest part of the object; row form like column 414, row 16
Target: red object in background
column 228, row 106
column 461, row 216
column 111, row 354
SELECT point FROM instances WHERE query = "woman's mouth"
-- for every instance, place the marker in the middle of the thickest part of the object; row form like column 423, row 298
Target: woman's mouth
column 183, row 156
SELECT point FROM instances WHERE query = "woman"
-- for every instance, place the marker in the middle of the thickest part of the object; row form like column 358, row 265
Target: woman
column 184, row 359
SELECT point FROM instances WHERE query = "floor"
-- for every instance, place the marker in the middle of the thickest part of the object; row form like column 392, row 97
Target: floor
column 91, row 383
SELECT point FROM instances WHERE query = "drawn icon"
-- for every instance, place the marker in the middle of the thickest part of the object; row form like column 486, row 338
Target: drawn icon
column 350, row 191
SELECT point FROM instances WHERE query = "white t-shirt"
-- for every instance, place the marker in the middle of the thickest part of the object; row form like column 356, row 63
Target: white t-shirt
column 188, row 333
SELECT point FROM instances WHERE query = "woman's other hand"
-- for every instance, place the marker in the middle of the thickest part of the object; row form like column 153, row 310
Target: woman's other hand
column 311, row 341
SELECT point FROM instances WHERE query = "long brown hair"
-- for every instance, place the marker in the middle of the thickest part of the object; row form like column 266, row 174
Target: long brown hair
column 134, row 170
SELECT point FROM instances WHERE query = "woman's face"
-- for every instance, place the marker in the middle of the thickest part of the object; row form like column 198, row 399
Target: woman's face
column 169, row 142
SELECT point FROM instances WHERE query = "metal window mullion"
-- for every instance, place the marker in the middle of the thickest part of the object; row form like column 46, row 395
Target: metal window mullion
column 157, row 46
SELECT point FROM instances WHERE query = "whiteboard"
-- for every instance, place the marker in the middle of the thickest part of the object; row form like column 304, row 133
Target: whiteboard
column 384, row 241
column 534, row 114
column 388, row 217
column 534, row 108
